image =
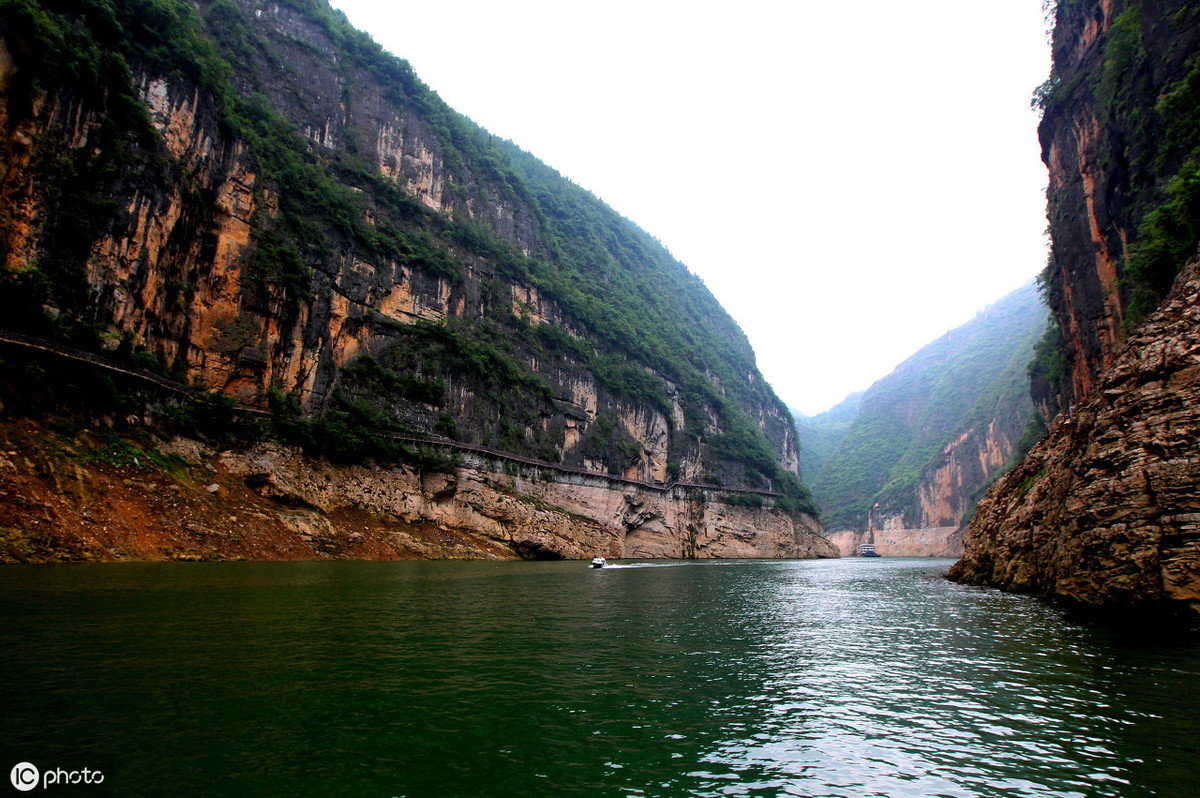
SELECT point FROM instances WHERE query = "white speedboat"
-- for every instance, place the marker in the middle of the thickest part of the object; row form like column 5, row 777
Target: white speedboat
column 599, row 562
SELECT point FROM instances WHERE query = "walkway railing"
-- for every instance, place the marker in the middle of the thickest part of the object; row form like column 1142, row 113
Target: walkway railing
column 559, row 467
column 40, row 344
column 29, row 342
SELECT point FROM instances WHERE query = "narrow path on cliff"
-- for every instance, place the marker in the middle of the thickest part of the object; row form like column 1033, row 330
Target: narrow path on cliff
column 50, row 347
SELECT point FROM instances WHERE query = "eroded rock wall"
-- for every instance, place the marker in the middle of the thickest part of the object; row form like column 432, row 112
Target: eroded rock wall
column 78, row 498
column 230, row 271
column 948, row 488
column 946, row 494
column 897, row 540
column 1105, row 511
column 1100, row 138
column 558, row 517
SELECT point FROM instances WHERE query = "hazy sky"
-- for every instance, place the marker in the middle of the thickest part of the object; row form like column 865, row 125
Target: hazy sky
column 851, row 180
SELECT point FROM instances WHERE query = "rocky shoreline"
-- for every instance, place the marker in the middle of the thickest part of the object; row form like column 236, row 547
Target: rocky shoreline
column 1105, row 511
column 81, row 495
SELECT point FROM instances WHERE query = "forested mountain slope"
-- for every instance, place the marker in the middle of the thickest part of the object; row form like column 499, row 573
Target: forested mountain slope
column 929, row 436
column 256, row 199
column 820, row 435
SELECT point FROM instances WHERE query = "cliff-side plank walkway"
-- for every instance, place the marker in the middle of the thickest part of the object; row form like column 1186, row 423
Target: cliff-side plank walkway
column 50, row 347
column 42, row 345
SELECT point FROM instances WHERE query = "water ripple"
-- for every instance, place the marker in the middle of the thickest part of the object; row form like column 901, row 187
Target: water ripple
column 851, row 678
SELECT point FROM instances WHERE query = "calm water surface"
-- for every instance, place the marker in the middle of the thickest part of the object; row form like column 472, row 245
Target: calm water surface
column 841, row 678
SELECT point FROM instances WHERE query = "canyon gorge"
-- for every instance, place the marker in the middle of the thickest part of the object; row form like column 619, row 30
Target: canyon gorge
column 904, row 464
column 328, row 316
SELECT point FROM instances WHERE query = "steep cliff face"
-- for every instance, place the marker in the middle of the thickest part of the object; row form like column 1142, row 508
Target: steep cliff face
column 1118, row 126
column 929, row 522
column 255, row 198
column 1105, row 511
column 928, row 438
column 893, row 539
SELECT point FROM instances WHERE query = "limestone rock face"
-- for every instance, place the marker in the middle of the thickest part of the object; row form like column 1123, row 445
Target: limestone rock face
column 273, row 502
column 943, row 497
column 1105, row 511
column 927, row 439
column 534, row 517
column 894, row 539
column 311, row 228
column 1101, row 135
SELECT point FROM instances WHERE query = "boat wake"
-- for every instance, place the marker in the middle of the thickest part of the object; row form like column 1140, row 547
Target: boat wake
column 624, row 565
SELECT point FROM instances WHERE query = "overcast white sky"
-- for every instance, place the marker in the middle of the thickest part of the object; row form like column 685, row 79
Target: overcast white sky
column 851, row 180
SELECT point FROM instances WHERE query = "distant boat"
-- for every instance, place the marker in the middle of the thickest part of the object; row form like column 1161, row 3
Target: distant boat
column 599, row 562
column 867, row 550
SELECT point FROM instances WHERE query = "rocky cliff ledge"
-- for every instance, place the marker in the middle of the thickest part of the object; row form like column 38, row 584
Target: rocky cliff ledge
column 88, row 495
column 1105, row 510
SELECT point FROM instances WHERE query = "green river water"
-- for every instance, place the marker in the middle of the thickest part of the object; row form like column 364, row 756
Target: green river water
column 832, row 678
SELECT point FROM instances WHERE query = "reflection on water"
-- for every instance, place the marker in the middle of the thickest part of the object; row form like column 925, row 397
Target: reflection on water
column 834, row 678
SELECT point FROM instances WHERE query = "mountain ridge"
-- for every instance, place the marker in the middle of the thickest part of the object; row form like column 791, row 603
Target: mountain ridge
column 345, row 252
column 926, row 438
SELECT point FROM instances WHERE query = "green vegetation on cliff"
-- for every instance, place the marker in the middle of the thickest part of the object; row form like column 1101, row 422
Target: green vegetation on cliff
column 1098, row 513
column 970, row 379
column 820, row 435
column 624, row 313
column 1135, row 91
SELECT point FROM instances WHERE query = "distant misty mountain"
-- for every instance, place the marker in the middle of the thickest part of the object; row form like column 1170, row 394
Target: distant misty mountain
column 821, row 434
column 916, row 448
